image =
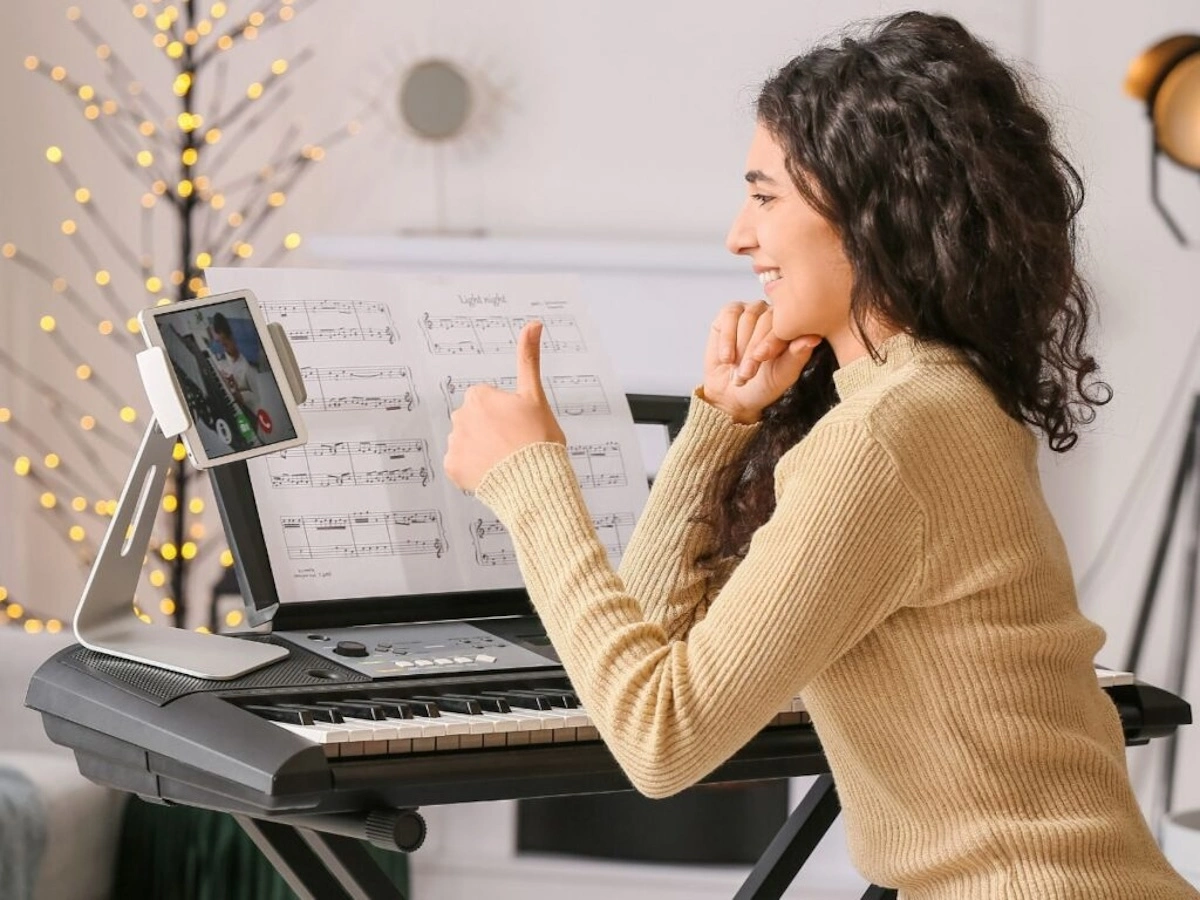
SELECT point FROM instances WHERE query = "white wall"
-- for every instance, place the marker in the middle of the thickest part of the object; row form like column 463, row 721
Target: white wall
column 629, row 120
column 1148, row 290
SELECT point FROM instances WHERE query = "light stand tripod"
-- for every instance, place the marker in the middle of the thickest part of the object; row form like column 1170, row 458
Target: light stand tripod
column 1187, row 474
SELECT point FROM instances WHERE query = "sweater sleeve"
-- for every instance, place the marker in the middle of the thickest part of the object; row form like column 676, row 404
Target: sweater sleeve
column 843, row 550
column 659, row 564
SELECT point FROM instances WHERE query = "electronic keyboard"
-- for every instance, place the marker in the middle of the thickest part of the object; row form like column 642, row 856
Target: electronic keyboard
column 398, row 716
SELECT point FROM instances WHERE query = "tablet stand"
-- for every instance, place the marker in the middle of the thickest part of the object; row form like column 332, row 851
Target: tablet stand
column 104, row 619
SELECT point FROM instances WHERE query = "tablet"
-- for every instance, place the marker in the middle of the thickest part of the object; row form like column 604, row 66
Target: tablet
column 228, row 372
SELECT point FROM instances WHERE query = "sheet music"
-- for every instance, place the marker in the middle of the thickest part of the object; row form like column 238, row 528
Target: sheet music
column 364, row 508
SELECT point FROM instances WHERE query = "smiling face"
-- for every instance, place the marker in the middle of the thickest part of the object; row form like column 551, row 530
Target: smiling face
column 796, row 253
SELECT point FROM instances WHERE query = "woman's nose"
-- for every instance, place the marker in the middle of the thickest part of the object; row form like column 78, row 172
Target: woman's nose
column 741, row 234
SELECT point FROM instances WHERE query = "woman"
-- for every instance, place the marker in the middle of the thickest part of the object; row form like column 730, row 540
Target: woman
column 853, row 511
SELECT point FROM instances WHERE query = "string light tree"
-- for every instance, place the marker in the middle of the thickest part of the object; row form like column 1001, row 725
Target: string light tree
column 177, row 159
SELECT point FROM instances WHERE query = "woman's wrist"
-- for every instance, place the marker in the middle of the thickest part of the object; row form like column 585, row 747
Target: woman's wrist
column 737, row 414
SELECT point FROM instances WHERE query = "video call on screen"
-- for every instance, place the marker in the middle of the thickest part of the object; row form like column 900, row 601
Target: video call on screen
column 225, row 377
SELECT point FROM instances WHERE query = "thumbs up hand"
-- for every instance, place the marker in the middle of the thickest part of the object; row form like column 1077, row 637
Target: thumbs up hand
column 491, row 424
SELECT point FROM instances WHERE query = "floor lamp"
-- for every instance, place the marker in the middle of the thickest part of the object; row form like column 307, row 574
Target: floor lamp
column 1166, row 78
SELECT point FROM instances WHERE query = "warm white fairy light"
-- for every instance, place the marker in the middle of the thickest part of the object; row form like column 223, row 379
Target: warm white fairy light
column 146, row 139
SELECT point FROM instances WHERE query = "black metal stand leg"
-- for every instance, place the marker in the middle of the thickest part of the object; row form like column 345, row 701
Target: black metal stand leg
column 320, row 866
column 879, row 893
column 794, row 843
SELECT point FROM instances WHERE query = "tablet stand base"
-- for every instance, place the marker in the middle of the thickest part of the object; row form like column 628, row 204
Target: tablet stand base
column 104, row 619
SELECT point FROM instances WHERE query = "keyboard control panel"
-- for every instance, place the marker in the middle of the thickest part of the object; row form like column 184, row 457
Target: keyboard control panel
column 432, row 648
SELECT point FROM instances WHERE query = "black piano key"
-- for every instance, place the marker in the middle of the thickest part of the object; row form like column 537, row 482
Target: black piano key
column 558, row 698
column 519, row 700
column 355, row 708
column 319, row 713
column 455, row 704
column 282, row 714
column 486, row 703
column 417, row 707
column 394, row 708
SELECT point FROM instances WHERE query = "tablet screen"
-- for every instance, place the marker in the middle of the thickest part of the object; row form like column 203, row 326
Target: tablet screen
column 225, row 377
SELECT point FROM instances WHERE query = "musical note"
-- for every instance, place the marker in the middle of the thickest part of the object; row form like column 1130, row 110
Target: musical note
column 341, row 388
column 493, row 544
column 346, row 463
column 365, row 534
column 569, row 395
column 333, row 320
column 598, row 465
column 614, row 531
column 485, row 334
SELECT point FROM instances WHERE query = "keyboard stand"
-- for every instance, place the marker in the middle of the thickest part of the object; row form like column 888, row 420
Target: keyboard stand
column 322, row 858
column 792, row 845
column 320, row 866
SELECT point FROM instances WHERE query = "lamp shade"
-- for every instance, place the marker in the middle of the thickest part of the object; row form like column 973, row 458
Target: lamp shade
column 1177, row 112
column 1166, row 77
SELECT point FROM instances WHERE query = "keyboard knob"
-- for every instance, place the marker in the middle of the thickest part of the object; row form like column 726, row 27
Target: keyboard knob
column 396, row 829
column 350, row 648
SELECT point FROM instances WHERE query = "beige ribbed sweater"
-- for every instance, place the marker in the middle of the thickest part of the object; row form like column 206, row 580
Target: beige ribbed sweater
column 912, row 587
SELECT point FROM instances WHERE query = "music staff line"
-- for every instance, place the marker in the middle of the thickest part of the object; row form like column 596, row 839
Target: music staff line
column 569, row 395
column 340, row 388
column 365, row 534
column 308, row 321
column 351, row 463
column 481, row 335
column 493, row 545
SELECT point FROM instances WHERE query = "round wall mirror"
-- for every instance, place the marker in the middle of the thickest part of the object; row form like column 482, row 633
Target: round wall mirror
column 435, row 100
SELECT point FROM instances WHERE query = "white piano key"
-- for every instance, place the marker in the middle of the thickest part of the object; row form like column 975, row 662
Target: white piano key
column 475, row 724
column 311, row 732
column 378, row 729
column 526, row 719
column 1113, row 677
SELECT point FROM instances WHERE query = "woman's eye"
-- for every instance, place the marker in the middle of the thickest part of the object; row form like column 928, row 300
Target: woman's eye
column 761, row 199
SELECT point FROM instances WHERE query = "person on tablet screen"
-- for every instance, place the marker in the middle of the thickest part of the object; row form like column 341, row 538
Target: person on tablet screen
column 852, row 511
column 235, row 369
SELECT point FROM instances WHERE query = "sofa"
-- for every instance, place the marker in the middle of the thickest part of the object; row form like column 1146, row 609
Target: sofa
column 81, row 821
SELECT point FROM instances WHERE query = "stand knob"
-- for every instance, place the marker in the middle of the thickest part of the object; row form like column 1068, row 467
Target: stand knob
column 350, row 648
column 396, row 829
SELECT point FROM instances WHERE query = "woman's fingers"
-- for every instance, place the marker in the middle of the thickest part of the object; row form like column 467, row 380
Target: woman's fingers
column 747, row 325
column 761, row 347
column 722, row 339
column 731, row 331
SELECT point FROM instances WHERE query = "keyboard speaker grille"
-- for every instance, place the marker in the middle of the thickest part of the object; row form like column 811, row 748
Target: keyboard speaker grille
column 161, row 686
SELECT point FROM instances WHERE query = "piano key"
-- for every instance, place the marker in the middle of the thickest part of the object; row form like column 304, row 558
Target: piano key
column 517, row 699
column 418, row 707
column 391, row 709
column 562, row 699
column 476, row 724
column 282, row 714
column 312, row 732
column 486, row 703
column 1113, row 678
column 350, row 732
column 356, row 708
column 526, row 720
column 377, row 729
column 451, row 703
column 319, row 713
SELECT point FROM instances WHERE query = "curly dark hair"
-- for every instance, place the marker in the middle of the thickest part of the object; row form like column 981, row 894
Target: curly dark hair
column 932, row 162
